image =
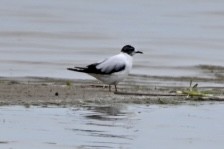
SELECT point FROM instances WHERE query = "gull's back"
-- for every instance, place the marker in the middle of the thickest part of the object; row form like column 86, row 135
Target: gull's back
column 117, row 63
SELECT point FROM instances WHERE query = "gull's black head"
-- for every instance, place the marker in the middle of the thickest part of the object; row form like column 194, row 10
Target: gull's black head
column 130, row 50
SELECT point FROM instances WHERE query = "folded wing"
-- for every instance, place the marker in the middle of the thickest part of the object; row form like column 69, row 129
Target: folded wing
column 108, row 66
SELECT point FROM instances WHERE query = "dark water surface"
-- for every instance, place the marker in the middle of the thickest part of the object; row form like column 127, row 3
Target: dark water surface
column 44, row 37
column 113, row 126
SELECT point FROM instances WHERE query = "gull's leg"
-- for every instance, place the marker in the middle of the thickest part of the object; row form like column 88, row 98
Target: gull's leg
column 115, row 88
column 109, row 88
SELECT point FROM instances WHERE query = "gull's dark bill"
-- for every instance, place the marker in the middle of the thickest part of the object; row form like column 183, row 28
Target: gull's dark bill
column 140, row 52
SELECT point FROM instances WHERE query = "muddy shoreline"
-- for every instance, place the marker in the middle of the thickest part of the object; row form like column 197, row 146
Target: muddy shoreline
column 135, row 89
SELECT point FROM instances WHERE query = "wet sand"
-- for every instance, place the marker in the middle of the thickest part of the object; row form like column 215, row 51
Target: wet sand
column 135, row 89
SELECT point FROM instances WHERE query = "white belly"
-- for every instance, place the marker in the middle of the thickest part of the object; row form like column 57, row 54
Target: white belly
column 111, row 79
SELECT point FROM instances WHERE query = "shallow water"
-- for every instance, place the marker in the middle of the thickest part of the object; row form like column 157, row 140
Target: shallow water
column 113, row 126
column 44, row 37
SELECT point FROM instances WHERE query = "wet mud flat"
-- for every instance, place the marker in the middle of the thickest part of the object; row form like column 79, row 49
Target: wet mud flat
column 135, row 89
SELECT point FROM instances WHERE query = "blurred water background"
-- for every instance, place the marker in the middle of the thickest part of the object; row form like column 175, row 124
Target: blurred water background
column 44, row 37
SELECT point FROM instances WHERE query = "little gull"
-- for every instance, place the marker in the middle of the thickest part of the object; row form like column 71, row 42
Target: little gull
column 112, row 70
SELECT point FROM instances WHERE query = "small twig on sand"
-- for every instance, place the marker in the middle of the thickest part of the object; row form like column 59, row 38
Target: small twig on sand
column 145, row 94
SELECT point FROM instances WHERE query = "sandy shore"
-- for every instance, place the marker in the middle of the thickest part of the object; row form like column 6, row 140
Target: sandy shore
column 135, row 89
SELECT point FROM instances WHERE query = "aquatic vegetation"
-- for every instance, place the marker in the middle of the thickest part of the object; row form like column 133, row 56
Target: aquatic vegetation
column 192, row 91
column 68, row 83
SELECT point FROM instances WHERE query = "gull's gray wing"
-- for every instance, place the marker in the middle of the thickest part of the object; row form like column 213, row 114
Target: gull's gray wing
column 108, row 66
